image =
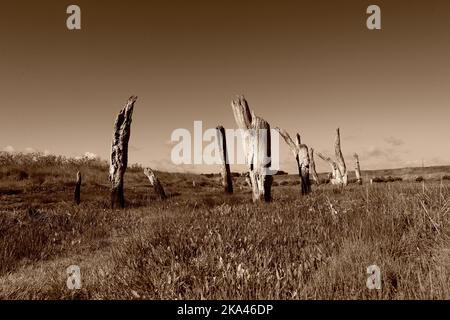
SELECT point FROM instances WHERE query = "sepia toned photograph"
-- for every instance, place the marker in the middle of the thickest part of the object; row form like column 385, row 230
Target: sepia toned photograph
column 225, row 150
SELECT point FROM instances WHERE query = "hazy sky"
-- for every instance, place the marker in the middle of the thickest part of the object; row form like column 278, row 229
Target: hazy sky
column 307, row 66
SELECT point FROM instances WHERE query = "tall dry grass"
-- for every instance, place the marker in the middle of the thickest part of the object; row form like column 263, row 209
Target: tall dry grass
column 202, row 244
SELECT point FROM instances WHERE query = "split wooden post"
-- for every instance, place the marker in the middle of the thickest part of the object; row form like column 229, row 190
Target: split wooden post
column 257, row 147
column 340, row 158
column 119, row 153
column 339, row 173
column 156, row 184
column 335, row 175
column 77, row 194
column 301, row 154
column 225, row 172
column 357, row 169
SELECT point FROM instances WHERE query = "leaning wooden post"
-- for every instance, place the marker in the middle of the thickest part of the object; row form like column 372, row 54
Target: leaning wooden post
column 312, row 166
column 77, row 195
column 257, row 148
column 119, row 153
column 225, row 172
column 154, row 181
column 301, row 155
column 340, row 158
column 357, row 169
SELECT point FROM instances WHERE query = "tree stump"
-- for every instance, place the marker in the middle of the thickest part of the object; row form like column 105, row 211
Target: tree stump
column 156, row 184
column 357, row 169
column 301, row 155
column 77, row 194
column 338, row 169
column 257, row 147
column 119, row 153
column 335, row 175
column 225, row 172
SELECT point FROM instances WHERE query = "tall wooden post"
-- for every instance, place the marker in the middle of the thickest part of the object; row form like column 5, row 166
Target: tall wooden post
column 225, row 172
column 119, row 153
column 340, row 158
column 77, row 194
column 257, row 146
column 260, row 177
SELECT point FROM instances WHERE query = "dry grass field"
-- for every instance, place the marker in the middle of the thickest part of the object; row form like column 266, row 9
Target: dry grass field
column 203, row 244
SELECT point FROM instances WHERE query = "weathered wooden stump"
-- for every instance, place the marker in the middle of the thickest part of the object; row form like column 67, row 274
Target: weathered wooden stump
column 357, row 169
column 156, row 184
column 312, row 166
column 77, row 193
column 301, row 155
column 119, row 153
column 335, row 175
column 225, row 172
column 338, row 169
column 303, row 166
column 257, row 147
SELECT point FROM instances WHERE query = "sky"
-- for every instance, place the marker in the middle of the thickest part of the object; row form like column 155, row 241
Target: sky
column 305, row 66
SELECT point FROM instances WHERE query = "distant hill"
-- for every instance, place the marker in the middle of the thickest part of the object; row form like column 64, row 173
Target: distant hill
column 407, row 174
column 12, row 162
